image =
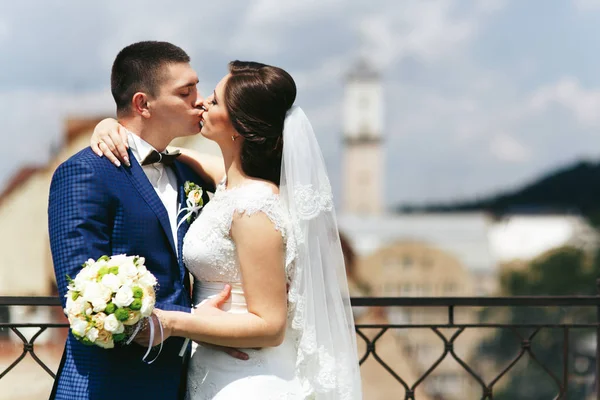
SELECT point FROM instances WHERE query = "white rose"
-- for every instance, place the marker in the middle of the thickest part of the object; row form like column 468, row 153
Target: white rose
column 196, row 196
column 90, row 261
column 92, row 334
column 92, row 270
column 127, row 282
column 105, row 340
column 74, row 307
column 78, row 326
column 117, row 260
column 123, row 297
column 127, row 271
column 82, row 279
column 147, row 280
column 147, row 305
column 96, row 291
column 98, row 320
column 113, row 325
column 111, row 281
column 98, row 305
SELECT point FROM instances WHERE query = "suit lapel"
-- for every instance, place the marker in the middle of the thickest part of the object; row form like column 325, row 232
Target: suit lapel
column 183, row 228
column 142, row 184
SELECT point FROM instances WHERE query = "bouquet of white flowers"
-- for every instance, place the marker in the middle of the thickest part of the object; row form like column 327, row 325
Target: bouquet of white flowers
column 108, row 298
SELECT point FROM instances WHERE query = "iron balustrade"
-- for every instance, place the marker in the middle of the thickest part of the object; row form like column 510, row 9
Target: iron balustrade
column 451, row 304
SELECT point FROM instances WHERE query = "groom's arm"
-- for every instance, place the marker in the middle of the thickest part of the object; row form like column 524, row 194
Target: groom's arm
column 79, row 219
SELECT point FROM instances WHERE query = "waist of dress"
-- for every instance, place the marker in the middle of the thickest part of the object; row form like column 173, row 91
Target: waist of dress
column 236, row 303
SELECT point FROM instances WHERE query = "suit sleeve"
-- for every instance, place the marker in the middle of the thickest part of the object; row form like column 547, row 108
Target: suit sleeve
column 79, row 220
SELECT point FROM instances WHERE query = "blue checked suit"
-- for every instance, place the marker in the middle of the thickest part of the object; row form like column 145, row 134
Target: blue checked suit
column 96, row 209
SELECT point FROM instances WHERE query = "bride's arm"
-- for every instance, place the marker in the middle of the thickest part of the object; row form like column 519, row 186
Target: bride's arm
column 261, row 253
column 110, row 139
column 210, row 168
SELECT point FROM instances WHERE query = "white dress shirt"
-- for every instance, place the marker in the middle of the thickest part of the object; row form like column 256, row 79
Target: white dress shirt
column 163, row 180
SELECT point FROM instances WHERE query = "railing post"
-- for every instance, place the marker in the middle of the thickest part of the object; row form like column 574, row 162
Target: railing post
column 566, row 361
column 597, row 380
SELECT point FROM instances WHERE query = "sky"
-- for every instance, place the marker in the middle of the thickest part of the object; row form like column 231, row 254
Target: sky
column 481, row 96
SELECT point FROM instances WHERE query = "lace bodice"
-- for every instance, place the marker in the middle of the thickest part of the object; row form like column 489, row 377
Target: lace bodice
column 208, row 250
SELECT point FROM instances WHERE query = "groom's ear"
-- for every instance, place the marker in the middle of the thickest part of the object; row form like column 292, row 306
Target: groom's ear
column 139, row 104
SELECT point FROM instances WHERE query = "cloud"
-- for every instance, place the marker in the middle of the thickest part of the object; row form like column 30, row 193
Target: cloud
column 37, row 118
column 427, row 30
column 422, row 29
column 477, row 97
column 268, row 26
column 587, row 5
column 506, row 148
column 568, row 93
column 5, row 30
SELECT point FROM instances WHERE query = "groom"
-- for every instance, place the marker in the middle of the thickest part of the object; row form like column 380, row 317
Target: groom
column 97, row 209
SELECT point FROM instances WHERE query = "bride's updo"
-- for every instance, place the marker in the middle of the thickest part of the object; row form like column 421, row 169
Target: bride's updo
column 257, row 97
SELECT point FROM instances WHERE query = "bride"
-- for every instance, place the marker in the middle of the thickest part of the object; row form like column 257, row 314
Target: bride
column 270, row 234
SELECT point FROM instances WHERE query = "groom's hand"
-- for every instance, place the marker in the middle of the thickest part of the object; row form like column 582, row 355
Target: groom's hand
column 235, row 353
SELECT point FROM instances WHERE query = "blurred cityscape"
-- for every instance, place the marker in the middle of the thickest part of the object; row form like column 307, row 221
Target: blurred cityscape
column 437, row 250
column 530, row 237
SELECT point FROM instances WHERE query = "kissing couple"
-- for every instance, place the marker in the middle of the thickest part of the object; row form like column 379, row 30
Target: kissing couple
column 268, row 313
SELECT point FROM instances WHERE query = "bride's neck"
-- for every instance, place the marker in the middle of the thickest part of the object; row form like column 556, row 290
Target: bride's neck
column 233, row 169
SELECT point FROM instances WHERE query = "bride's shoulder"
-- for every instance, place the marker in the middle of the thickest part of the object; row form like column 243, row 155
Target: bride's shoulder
column 257, row 196
column 255, row 190
column 262, row 186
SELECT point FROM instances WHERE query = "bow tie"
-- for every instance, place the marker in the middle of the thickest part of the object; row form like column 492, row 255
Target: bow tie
column 164, row 158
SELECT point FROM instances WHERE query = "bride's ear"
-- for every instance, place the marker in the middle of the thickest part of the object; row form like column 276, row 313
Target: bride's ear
column 140, row 104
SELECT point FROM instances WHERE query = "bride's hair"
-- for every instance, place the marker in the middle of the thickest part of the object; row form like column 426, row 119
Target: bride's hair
column 257, row 97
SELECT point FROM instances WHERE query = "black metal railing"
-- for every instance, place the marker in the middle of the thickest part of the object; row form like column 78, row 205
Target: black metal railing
column 451, row 304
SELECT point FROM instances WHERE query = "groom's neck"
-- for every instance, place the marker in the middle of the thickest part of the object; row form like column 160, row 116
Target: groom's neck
column 153, row 137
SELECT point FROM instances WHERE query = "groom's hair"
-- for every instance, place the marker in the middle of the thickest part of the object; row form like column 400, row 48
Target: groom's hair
column 139, row 68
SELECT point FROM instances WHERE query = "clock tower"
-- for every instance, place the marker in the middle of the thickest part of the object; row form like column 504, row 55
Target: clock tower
column 363, row 163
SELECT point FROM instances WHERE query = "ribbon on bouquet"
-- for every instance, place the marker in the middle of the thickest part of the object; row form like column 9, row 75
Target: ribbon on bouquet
column 151, row 339
column 191, row 209
column 184, row 347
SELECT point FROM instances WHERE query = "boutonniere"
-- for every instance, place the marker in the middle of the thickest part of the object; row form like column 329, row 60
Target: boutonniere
column 193, row 201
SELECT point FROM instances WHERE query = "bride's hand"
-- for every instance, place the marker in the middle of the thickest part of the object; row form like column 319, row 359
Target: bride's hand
column 110, row 139
column 212, row 306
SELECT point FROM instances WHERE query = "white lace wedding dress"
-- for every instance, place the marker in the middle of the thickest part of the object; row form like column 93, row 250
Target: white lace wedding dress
column 210, row 255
